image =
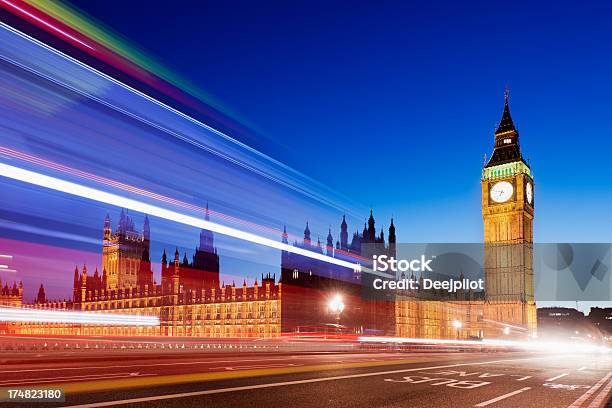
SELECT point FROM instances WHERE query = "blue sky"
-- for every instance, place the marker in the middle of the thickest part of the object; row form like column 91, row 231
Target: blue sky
column 395, row 104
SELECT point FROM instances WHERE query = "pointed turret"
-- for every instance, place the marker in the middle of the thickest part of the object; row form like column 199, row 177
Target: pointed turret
column 285, row 236
column 121, row 227
column 185, row 260
column 371, row 227
column 207, row 240
column 343, row 234
column 392, row 232
column 176, row 258
column 506, row 124
column 41, row 297
column 146, row 229
column 330, row 243
column 108, row 228
column 307, row 240
column 507, row 148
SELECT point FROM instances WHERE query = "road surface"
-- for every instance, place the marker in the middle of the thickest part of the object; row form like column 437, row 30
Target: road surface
column 503, row 379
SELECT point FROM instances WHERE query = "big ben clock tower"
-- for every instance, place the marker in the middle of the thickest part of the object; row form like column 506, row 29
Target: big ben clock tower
column 507, row 210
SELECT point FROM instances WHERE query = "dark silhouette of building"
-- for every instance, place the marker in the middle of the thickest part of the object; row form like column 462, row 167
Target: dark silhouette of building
column 309, row 285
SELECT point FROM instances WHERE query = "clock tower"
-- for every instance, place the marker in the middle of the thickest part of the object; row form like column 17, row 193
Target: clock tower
column 507, row 211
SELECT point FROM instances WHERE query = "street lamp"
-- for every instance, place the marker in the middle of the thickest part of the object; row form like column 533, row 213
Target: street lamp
column 336, row 305
column 457, row 325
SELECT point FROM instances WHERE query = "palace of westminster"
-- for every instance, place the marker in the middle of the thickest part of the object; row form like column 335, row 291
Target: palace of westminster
column 191, row 300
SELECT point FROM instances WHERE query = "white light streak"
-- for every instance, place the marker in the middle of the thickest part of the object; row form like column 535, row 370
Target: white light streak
column 8, row 314
column 68, row 187
column 51, row 26
column 6, row 256
column 260, row 171
column 555, row 347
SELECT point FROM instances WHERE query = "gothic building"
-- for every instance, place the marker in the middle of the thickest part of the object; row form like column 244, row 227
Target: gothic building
column 508, row 212
column 202, row 272
column 123, row 253
column 10, row 296
column 308, row 283
column 189, row 301
column 508, row 307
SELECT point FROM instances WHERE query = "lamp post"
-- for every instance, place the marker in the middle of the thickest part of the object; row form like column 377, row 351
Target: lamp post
column 457, row 325
column 336, row 306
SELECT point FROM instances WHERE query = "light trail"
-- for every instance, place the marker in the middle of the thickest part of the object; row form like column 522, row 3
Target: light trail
column 8, row 314
column 45, row 23
column 559, row 347
column 68, row 187
column 257, row 168
column 136, row 190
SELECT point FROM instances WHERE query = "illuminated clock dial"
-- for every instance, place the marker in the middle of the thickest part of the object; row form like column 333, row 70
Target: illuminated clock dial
column 529, row 192
column 501, row 192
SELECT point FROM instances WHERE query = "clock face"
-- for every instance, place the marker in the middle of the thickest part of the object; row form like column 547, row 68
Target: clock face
column 529, row 192
column 501, row 192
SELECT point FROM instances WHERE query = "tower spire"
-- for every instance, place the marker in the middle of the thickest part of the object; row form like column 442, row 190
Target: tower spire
column 307, row 240
column 506, row 124
column 507, row 147
column 285, row 236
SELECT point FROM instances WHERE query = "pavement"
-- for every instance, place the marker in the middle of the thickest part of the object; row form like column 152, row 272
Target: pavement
column 382, row 379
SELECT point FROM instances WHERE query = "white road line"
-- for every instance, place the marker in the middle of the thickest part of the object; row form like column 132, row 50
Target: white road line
column 578, row 403
column 557, row 377
column 280, row 384
column 602, row 397
column 501, row 397
column 582, row 368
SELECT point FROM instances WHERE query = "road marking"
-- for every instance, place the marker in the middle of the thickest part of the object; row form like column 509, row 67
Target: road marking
column 501, row 397
column 587, row 395
column 259, row 386
column 250, row 367
column 582, row 368
column 565, row 386
column 557, row 377
column 449, row 382
column 522, row 378
column 602, row 397
column 465, row 373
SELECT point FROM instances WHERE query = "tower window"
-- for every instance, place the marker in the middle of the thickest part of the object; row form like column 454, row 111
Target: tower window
column 506, row 141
